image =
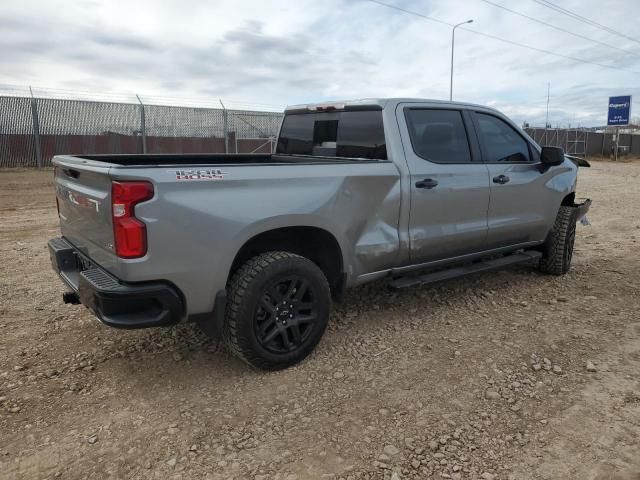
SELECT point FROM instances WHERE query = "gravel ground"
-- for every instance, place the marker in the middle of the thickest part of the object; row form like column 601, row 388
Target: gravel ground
column 509, row 374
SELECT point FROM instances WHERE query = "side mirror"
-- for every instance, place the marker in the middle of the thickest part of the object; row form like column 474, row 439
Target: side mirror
column 550, row 156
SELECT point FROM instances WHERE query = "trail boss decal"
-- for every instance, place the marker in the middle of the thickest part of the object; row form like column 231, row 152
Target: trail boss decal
column 78, row 199
column 204, row 174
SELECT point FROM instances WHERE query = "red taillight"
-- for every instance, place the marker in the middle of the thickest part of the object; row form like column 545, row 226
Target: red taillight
column 55, row 175
column 129, row 233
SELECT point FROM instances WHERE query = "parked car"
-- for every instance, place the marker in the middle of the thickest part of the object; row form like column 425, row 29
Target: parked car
column 256, row 246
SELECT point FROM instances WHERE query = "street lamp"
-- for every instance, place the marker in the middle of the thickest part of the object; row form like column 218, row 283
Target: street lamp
column 453, row 37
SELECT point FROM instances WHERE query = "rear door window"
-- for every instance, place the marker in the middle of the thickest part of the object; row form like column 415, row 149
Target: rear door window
column 334, row 134
column 438, row 135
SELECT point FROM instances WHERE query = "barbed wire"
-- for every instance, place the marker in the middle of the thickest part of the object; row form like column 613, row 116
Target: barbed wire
column 114, row 97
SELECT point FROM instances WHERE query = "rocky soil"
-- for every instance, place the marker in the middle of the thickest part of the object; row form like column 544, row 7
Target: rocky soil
column 505, row 375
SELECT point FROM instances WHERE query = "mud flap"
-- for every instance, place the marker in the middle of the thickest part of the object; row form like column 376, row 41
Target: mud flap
column 582, row 207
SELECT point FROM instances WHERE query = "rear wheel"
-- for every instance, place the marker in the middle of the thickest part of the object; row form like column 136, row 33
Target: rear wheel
column 277, row 311
column 558, row 252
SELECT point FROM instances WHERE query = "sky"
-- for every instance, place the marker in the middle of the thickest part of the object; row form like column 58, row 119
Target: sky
column 280, row 52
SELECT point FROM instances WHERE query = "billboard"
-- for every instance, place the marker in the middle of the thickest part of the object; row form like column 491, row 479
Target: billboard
column 619, row 110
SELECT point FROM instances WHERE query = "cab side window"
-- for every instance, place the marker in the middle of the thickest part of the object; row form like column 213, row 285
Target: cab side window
column 438, row 135
column 502, row 144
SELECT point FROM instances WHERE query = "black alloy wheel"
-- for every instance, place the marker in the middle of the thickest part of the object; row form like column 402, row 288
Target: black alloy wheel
column 277, row 310
column 286, row 314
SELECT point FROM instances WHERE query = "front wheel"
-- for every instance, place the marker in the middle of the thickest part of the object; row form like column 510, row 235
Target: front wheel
column 277, row 311
column 558, row 251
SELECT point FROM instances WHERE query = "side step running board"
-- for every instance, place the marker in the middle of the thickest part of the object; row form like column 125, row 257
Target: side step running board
column 462, row 270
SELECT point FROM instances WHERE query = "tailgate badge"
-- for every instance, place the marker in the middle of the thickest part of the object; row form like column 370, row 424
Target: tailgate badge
column 83, row 201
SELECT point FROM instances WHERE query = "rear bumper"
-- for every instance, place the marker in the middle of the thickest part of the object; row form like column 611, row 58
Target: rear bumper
column 114, row 302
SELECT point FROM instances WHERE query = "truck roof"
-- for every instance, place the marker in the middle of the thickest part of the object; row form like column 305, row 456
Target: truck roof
column 376, row 102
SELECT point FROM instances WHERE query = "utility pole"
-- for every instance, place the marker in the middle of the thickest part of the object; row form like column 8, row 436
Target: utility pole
column 453, row 38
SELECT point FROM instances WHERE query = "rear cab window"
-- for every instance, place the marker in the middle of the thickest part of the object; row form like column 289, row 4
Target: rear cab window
column 348, row 134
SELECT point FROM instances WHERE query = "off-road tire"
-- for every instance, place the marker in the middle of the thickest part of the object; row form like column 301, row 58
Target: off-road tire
column 247, row 290
column 558, row 249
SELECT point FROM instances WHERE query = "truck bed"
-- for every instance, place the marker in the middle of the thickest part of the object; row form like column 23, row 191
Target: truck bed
column 142, row 160
column 181, row 159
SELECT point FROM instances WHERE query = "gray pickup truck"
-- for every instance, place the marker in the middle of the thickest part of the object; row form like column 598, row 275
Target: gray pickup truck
column 254, row 247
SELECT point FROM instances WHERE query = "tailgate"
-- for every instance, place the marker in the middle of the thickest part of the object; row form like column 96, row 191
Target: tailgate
column 83, row 193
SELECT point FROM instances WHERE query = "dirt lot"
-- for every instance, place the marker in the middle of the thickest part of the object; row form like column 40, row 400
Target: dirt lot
column 484, row 377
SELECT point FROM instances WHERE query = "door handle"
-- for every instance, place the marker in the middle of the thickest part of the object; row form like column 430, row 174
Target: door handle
column 427, row 183
column 501, row 179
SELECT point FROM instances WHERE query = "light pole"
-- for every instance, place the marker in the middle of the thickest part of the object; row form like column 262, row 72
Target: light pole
column 453, row 37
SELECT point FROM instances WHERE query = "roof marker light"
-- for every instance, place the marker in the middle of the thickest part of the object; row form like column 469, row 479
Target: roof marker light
column 327, row 107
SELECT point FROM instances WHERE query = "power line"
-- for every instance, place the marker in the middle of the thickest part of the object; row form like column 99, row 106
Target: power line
column 412, row 13
column 580, row 18
column 584, row 37
column 500, row 39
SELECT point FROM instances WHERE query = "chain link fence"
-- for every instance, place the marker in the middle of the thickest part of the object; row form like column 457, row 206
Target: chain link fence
column 17, row 137
column 585, row 143
column 34, row 129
